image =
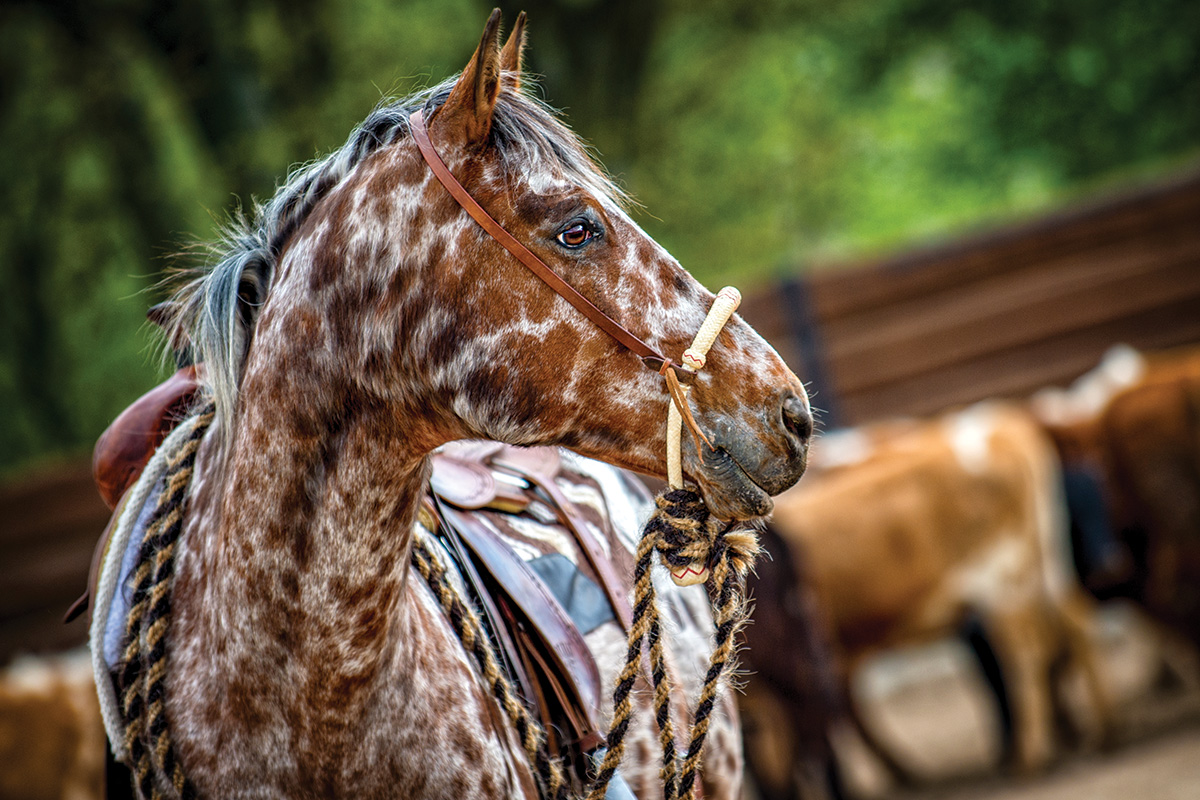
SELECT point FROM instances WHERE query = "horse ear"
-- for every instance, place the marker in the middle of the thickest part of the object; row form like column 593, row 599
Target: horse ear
column 514, row 48
column 468, row 109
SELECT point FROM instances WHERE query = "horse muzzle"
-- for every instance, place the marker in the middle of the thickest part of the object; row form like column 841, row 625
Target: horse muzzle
column 752, row 457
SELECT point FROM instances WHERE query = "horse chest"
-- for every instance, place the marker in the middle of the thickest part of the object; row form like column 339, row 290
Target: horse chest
column 424, row 728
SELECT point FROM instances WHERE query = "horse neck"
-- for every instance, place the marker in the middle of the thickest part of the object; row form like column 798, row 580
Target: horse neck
column 298, row 553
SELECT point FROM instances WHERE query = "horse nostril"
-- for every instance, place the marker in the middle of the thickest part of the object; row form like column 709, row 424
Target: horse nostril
column 797, row 418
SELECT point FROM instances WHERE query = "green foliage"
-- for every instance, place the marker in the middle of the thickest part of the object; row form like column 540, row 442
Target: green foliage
column 760, row 136
column 786, row 135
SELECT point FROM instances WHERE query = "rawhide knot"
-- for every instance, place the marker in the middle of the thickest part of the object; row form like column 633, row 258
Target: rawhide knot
column 690, row 540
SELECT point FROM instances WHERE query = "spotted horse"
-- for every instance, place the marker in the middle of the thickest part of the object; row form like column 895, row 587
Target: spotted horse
column 366, row 317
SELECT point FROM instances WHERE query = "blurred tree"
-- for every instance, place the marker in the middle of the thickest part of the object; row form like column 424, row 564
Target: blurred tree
column 591, row 58
column 794, row 133
column 761, row 134
column 127, row 126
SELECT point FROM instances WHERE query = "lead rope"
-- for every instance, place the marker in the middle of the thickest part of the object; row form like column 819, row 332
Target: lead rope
column 695, row 546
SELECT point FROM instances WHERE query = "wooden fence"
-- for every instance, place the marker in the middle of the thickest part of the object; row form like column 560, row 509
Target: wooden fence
column 48, row 525
column 996, row 315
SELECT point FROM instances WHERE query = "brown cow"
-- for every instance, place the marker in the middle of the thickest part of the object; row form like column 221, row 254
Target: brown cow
column 927, row 524
column 51, row 741
column 1141, row 440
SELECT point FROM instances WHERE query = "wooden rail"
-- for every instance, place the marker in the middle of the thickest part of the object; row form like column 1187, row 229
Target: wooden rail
column 48, row 526
column 1001, row 314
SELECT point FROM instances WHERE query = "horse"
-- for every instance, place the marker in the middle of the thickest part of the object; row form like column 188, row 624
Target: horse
column 912, row 528
column 359, row 322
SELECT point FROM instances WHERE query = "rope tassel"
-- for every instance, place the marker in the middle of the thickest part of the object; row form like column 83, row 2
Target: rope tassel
column 681, row 531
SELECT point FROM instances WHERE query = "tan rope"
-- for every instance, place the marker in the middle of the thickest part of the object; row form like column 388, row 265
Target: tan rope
column 151, row 758
column 681, row 530
column 548, row 770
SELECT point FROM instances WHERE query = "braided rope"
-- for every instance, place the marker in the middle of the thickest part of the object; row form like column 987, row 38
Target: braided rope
column 547, row 769
column 682, row 531
column 150, row 756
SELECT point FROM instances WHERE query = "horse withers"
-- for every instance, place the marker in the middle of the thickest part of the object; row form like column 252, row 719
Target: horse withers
column 360, row 321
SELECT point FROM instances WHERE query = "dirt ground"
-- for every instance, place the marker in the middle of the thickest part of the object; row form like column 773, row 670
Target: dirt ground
column 932, row 705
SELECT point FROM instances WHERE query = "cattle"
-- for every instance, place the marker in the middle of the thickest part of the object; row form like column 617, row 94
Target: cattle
column 912, row 529
column 51, row 739
column 1138, row 438
column 792, row 699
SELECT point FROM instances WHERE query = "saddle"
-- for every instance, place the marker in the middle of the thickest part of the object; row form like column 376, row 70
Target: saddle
column 481, row 495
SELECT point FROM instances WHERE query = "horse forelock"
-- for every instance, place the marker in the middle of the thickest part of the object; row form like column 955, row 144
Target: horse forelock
column 216, row 307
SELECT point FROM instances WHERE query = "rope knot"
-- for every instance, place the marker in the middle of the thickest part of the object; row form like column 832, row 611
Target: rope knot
column 692, row 542
column 694, row 546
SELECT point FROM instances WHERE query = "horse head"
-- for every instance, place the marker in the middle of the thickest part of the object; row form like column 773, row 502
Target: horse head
column 387, row 296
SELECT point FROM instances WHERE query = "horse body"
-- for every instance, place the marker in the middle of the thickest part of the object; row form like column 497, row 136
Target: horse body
column 930, row 522
column 366, row 322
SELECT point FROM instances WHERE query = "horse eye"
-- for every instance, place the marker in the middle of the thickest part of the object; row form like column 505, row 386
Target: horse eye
column 576, row 236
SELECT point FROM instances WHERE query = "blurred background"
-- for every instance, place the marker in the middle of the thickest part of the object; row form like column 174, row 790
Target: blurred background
column 926, row 203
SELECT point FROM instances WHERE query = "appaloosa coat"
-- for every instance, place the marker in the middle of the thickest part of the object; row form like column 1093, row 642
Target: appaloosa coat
column 360, row 321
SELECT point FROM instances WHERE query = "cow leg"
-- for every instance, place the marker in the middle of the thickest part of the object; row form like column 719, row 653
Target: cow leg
column 1180, row 660
column 769, row 737
column 1078, row 615
column 899, row 773
column 975, row 635
column 1019, row 638
column 785, row 764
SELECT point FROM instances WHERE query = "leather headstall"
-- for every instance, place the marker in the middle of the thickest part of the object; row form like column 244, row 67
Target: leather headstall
column 649, row 356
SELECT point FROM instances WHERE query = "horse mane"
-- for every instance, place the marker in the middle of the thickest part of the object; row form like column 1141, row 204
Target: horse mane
column 216, row 306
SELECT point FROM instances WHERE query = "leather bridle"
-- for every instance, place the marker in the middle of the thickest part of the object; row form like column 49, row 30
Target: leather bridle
column 675, row 374
column 649, row 356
